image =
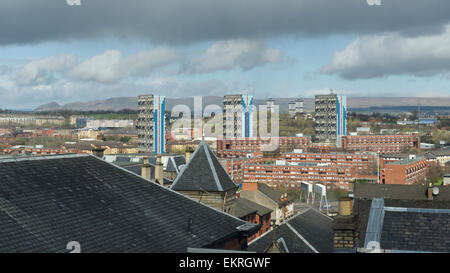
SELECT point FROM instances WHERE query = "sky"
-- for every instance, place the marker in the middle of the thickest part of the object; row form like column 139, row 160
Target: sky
column 57, row 51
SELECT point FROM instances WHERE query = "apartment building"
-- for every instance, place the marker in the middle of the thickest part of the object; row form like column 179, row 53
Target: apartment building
column 381, row 143
column 285, row 144
column 406, row 171
column 364, row 163
column 291, row 176
column 30, row 120
column 235, row 166
column 151, row 124
column 295, row 107
column 238, row 116
column 330, row 117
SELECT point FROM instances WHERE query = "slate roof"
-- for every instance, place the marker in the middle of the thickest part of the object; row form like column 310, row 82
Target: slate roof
column 273, row 194
column 401, row 226
column 314, row 227
column 418, row 231
column 46, row 202
column 243, row 207
column 397, row 191
column 174, row 163
column 203, row 172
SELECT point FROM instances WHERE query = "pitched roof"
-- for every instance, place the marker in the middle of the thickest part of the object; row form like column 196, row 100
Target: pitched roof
column 419, row 231
column 46, row 202
column 405, row 228
column 203, row 172
column 308, row 232
column 243, row 207
column 398, row 191
column 174, row 163
column 273, row 194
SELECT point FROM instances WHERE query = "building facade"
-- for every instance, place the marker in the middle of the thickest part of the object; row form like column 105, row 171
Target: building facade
column 256, row 144
column 238, row 116
column 331, row 117
column 406, row 171
column 381, row 143
column 151, row 124
column 291, row 176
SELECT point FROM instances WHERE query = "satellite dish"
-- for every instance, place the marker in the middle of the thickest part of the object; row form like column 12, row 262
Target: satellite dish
column 435, row 191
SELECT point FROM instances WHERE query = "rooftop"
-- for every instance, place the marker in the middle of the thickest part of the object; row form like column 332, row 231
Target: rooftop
column 406, row 229
column 46, row 202
column 203, row 172
column 398, row 192
column 243, row 207
column 307, row 232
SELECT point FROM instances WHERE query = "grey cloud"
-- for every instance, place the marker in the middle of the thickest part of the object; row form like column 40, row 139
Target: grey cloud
column 39, row 71
column 112, row 67
column 388, row 54
column 226, row 55
column 181, row 21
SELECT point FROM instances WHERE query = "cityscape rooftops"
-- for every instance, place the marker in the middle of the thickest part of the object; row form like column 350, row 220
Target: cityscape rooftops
column 103, row 207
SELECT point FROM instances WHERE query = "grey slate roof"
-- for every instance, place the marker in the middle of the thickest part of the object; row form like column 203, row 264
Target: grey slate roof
column 203, row 173
column 174, row 163
column 312, row 225
column 397, row 191
column 46, row 202
column 417, row 231
column 421, row 227
column 243, row 207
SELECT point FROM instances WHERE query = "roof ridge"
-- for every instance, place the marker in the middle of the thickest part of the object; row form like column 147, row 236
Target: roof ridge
column 31, row 157
column 169, row 189
column 184, row 169
column 211, row 165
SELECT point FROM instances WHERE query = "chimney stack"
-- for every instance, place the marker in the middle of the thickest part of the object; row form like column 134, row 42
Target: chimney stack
column 159, row 174
column 146, row 170
column 345, row 206
column 250, row 185
column 98, row 151
column 345, row 226
column 430, row 192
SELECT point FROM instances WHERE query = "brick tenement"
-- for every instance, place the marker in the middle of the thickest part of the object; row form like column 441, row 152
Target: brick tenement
column 381, row 143
column 285, row 144
column 362, row 162
column 291, row 176
column 235, row 166
column 404, row 171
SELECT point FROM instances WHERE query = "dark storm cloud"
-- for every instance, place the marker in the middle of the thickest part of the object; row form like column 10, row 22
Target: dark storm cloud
column 180, row 21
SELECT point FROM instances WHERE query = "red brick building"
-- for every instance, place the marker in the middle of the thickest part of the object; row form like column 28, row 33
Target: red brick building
column 285, row 144
column 364, row 163
column 238, row 154
column 405, row 171
column 291, row 176
column 381, row 143
column 235, row 166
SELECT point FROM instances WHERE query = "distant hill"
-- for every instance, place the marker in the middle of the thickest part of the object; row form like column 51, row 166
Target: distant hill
column 359, row 103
